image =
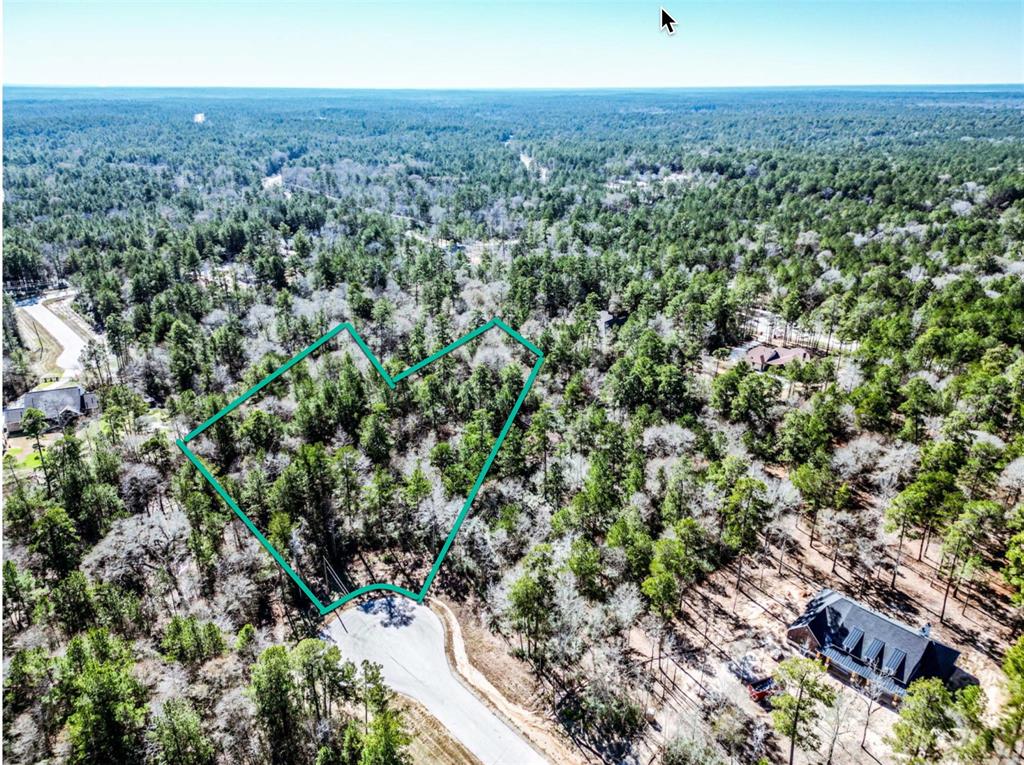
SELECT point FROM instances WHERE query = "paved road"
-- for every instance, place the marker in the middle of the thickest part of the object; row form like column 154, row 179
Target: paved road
column 407, row 640
column 70, row 342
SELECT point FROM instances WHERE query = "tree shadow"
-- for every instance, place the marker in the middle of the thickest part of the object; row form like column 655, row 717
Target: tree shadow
column 396, row 612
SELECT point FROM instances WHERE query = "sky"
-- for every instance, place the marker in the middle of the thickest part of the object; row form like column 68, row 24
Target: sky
column 510, row 44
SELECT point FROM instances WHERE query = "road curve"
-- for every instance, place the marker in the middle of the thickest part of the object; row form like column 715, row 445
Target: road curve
column 407, row 640
column 71, row 344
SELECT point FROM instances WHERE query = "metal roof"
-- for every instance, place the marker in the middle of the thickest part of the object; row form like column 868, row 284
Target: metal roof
column 873, row 651
column 874, row 641
column 894, row 661
column 51, row 401
column 850, row 644
column 854, row 667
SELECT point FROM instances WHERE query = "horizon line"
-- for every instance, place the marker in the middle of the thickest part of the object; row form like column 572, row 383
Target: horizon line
column 512, row 88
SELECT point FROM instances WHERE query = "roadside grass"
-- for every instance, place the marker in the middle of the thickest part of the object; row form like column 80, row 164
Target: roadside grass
column 431, row 742
column 43, row 349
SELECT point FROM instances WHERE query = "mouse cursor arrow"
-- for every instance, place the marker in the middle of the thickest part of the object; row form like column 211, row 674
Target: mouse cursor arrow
column 667, row 22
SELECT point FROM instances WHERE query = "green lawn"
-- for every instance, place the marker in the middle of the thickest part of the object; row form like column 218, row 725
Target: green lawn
column 24, row 459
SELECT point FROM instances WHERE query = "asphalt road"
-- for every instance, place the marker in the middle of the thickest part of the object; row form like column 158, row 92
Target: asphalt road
column 71, row 344
column 407, row 640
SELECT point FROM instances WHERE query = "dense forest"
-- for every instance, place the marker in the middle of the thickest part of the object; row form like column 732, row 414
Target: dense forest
column 637, row 239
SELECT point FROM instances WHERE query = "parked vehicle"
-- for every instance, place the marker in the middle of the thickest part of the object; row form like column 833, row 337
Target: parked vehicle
column 763, row 689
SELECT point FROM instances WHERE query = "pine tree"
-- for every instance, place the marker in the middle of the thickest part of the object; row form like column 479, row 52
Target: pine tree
column 179, row 738
column 1010, row 730
column 796, row 709
column 277, row 709
column 55, row 538
column 925, row 722
column 374, row 438
column 386, row 740
column 33, row 423
column 107, row 702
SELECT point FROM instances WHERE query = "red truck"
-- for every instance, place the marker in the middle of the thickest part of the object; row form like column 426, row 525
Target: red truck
column 762, row 690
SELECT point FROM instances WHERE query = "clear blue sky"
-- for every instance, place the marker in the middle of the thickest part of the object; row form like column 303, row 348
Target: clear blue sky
column 480, row 44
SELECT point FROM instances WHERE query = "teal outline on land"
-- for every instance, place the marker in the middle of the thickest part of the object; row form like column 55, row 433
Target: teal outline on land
column 391, row 383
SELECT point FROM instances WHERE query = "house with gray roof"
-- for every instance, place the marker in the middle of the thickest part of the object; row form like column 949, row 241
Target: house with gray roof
column 860, row 645
column 60, row 406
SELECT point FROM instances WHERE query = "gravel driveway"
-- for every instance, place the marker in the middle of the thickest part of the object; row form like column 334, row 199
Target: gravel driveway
column 407, row 640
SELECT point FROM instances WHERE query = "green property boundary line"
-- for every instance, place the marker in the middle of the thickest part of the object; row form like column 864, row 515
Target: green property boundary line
column 391, row 383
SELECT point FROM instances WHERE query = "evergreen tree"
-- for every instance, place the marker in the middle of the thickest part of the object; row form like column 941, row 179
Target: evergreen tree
column 386, row 740
column 34, row 424
column 925, row 722
column 178, row 735
column 55, row 539
column 374, row 438
column 277, row 708
column 106, row 702
column 796, row 709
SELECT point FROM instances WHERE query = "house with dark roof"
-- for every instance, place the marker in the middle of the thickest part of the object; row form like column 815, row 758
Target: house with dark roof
column 761, row 357
column 860, row 645
column 60, row 406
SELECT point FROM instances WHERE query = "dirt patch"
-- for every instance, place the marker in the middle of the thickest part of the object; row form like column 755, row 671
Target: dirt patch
column 484, row 649
column 470, row 648
column 431, row 741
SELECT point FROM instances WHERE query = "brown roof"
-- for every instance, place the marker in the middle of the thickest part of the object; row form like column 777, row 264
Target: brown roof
column 761, row 356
